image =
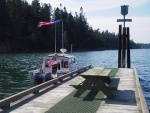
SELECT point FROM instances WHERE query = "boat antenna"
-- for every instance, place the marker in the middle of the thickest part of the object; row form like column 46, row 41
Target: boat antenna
column 63, row 50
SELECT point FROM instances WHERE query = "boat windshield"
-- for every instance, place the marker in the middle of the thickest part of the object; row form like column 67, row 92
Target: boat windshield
column 64, row 63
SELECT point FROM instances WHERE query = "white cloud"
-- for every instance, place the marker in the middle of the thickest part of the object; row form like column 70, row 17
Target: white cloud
column 73, row 5
column 139, row 27
column 93, row 5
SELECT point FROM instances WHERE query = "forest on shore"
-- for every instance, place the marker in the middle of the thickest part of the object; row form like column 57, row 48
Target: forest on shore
column 19, row 31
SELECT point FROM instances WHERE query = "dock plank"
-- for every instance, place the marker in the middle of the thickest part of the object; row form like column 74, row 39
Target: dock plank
column 88, row 71
column 125, row 97
column 105, row 72
column 41, row 102
column 97, row 71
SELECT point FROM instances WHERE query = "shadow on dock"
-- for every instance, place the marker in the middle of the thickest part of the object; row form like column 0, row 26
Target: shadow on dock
column 122, row 97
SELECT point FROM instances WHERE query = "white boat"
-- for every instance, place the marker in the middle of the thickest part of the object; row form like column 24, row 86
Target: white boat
column 54, row 65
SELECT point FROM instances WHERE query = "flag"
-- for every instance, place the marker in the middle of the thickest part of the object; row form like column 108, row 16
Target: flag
column 45, row 24
column 48, row 23
column 57, row 21
column 52, row 61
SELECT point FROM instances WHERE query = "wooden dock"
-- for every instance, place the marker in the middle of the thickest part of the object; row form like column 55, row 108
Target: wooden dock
column 128, row 97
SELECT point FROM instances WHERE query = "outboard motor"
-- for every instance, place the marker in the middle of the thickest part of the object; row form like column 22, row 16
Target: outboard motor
column 38, row 78
column 48, row 76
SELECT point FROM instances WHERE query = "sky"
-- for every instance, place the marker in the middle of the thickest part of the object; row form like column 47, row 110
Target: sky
column 103, row 15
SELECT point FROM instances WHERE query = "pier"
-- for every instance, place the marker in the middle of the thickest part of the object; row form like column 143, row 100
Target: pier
column 128, row 97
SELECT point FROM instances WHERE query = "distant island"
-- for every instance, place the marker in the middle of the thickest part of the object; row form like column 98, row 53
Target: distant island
column 144, row 45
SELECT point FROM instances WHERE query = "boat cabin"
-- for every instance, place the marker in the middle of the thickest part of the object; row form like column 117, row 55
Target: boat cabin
column 59, row 64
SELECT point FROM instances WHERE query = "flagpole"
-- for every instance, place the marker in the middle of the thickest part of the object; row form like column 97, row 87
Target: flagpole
column 55, row 29
column 62, row 36
column 50, row 23
column 55, row 38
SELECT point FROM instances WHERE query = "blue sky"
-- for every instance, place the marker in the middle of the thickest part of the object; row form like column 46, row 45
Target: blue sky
column 103, row 14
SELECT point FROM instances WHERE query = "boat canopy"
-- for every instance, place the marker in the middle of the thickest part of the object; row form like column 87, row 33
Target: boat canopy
column 61, row 55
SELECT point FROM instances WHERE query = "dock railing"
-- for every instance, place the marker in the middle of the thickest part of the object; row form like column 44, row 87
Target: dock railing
column 5, row 103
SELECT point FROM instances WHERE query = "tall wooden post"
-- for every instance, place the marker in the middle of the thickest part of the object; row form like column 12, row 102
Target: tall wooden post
column 128, row 48
column 119, row 46
column 124, row 48
column 124, row 40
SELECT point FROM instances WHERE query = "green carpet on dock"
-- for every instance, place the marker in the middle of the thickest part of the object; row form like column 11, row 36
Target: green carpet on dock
column 88, row 102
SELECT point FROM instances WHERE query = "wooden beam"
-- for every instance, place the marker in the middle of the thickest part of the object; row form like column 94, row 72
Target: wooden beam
column 128, row 48
column 119, row 46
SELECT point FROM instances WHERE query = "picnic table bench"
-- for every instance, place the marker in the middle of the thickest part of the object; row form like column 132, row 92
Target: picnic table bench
column 96, row 79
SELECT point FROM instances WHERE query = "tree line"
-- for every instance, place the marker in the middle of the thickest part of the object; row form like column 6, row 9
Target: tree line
column 19, row 31
column 144, row 45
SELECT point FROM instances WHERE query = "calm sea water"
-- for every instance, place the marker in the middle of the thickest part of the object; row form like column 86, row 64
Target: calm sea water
column 14, row 68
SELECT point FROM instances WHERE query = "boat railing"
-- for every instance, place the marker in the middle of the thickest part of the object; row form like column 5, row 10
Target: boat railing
column 5, row 103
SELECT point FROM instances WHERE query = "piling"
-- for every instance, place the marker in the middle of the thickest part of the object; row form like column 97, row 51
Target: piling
column 119, row 46
column 124, row 48
column 128, row 49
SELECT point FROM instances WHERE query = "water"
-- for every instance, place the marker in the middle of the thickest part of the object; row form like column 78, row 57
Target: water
column 14, row 68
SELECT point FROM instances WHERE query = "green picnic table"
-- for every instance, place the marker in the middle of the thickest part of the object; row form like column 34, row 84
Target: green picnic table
column 96, row 79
